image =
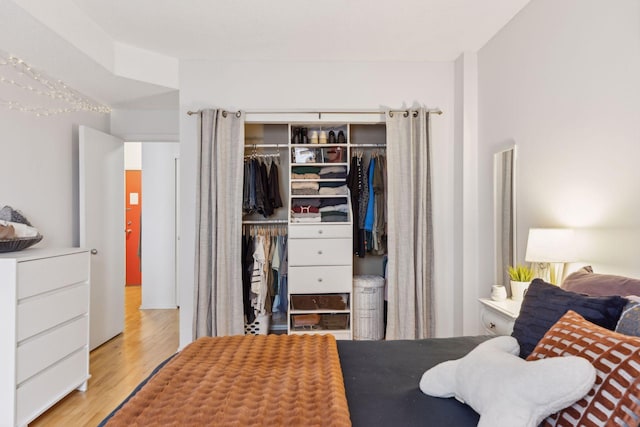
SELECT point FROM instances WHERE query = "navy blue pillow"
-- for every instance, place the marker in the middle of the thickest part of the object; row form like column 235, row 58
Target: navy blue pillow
column 544, row 304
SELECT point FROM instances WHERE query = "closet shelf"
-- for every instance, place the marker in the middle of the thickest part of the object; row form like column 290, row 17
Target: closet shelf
column 319, row 196
column 317, row 180
column 293, row 165
column 318, row 145
column 319, row 311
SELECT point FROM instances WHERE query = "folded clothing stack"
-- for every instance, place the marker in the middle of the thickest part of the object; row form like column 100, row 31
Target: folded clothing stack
column 301, row 170
column 334, row 209
column 304, row 188
column 333, row 172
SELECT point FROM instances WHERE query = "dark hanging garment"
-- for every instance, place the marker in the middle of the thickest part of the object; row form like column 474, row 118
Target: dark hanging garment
column 274, row 186
column 246, row 187
column 252, row 185
column 267, row 207
column 356, row 187
column 247, row 269
column 260, row 194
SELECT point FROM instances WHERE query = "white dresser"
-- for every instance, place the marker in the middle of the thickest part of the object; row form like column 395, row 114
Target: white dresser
column 320, row 263
column 44, row 330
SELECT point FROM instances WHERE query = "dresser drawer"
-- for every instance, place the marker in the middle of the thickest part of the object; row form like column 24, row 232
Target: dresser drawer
column 299, row 231
column 46, row 274
column 45, row 350
column 313, row 280
column 496, row 323
column 48, row 387
column 46, row 311
column 320, row 252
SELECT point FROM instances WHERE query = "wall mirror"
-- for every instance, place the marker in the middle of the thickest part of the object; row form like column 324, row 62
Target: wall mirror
column 504, row 196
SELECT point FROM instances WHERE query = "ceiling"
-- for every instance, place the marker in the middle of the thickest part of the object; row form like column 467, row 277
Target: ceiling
column 39, row 32
column 326, row 30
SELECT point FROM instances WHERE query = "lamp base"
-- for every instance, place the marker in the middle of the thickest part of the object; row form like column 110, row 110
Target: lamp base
column 550, row 272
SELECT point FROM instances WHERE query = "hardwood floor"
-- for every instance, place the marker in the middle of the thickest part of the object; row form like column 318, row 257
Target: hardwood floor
column 116, row 367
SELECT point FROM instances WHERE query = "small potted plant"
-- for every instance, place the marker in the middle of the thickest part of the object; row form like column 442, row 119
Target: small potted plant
column 521, row 276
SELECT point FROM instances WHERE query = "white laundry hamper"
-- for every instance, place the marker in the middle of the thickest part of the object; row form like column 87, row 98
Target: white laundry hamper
column 368, row 307
column 260, row 326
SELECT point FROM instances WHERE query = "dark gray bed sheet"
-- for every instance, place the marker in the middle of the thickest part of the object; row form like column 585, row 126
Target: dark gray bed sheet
column 381, row 379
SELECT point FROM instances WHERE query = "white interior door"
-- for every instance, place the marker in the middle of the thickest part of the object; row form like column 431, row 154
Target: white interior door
column 101, row 199
column 159, row 225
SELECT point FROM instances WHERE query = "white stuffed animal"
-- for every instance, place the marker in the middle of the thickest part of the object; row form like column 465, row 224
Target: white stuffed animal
column 506, row 390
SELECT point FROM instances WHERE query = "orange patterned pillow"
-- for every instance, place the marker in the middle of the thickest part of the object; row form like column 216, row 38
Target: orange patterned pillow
column 615, row 398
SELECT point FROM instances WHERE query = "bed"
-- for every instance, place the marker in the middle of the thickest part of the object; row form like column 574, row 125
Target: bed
column 378, row 378
column 316, row 380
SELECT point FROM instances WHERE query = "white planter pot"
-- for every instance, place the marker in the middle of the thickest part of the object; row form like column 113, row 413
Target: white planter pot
column 518, row 289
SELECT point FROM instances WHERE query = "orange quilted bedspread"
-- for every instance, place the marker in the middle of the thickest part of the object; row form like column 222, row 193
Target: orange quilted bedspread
column 253, row 380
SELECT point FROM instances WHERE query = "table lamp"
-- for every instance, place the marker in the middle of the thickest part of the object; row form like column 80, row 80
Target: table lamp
column 548, row 249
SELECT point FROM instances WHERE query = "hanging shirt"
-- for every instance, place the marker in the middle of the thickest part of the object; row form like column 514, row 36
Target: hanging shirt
column 259, row 277
column 368, row 219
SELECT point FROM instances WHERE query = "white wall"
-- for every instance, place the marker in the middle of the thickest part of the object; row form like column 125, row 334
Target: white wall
column 322, row 85
column 132, row 156
column 145, row 125
column 159, row 224
column 561, row 81
column 39, row 170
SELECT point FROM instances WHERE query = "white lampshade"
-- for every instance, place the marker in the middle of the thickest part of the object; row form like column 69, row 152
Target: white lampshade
column 551, row 245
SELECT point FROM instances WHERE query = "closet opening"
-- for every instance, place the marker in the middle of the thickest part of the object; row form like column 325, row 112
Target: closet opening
column 305, row 241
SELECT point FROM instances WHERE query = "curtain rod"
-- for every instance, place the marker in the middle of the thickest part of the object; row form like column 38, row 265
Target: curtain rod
column 320, row 113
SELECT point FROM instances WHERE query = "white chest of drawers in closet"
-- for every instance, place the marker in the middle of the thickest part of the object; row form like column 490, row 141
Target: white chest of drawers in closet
column 320, row 262
column 44, row 332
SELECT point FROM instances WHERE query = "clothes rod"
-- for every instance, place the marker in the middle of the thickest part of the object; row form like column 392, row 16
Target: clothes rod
column 265, row 222
column 320, row 113
column 266, row 145
column 356, row 146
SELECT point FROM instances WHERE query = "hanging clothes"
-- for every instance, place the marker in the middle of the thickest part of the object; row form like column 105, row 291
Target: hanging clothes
column 356, row 183
column 264, row 258
column 379, row 230
column 261, row 189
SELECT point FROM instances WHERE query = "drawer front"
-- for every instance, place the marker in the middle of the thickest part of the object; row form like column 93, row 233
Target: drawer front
column 40, row 313
column 496, row 323
column 339, row 335
column 42, row 391
column 320, row 252
column 47, row 349
column 313, row 280
column 299, row 231
column 46, row 274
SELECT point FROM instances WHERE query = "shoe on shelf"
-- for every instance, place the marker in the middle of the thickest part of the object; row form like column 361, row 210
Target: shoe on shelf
column 295, row 139
column 303, row 138
column 332, row 137
column 341, row 138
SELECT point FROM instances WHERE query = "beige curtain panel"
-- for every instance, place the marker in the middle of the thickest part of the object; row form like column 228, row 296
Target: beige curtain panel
column 410, row 229
column 218, row 308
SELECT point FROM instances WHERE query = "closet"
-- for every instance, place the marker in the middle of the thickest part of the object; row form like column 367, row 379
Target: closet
column 325, row 241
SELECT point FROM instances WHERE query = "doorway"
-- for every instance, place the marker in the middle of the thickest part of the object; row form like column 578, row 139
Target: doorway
column 133, row 213
column 151, row 245
column 133, row 217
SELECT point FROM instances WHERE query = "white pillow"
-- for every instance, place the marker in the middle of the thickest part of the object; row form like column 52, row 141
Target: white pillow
column 506, row 390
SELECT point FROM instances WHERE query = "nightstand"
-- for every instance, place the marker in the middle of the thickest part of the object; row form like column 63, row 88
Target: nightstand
column 498, row 317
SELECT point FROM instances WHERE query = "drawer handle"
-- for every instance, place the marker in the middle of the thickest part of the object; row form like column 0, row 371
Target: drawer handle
column 492, row 325
column 319, row 252
column 319, row 231
column 319, row 279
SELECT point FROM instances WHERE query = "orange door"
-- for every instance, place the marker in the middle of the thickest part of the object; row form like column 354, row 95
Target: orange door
column 133, row 205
